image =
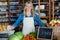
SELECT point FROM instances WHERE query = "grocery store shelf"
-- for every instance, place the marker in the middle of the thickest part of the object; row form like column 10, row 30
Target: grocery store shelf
column 2, row 0
column 56, row 1
column 35, row 3
column 14, row 8
column 44, row 10
column 14, row 5
column 3, row 17
column 44, row 2
column 44, row 17
column 4, row 22
column 14, row 16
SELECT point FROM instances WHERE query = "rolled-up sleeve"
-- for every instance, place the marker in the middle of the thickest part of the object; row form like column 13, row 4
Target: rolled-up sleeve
column 20, row 18
column 38, row 20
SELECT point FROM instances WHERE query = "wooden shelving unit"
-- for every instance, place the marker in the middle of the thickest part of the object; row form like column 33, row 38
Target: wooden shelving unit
column 57, row 9
column 47, row 11
column 14, row 8
column 4, row 12
column 9, row 11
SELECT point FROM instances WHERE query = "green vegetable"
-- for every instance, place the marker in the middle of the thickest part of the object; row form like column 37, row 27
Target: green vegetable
column 20, row 35
column 16, row 36
column 13, row 37
column 34, row 34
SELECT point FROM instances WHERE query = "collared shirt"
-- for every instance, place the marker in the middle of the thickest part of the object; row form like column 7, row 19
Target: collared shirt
column 21, row 18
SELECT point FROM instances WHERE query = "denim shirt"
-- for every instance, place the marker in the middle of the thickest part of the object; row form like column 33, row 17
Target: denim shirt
column 36, row 19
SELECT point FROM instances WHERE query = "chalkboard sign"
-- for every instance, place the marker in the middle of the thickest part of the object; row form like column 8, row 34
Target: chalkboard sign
column 45, row 33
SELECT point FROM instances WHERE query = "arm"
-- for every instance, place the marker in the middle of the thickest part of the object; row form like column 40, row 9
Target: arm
column 18, row 20
column 38, row 20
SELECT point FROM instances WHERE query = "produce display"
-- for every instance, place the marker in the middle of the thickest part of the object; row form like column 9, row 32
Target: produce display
column 20, row 36
column 2, row 28
column 55, row 23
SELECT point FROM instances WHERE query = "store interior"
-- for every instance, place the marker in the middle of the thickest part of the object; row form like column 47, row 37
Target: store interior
column 47, row 10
